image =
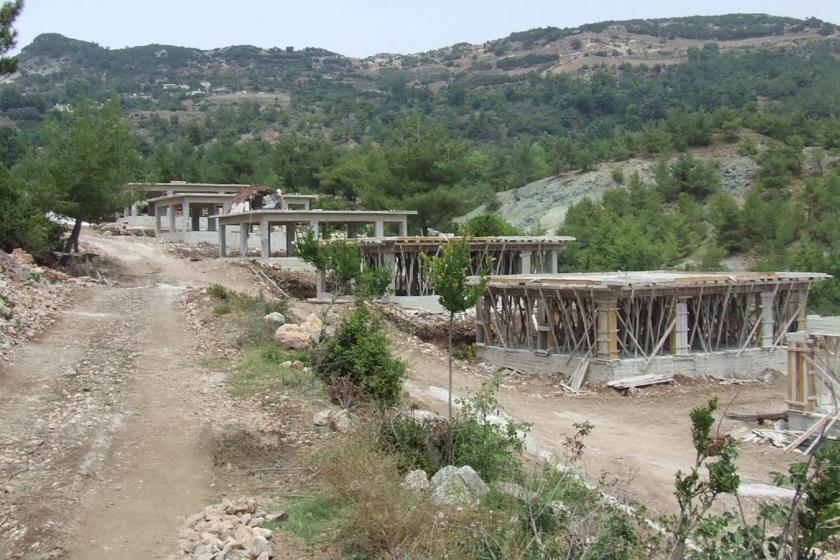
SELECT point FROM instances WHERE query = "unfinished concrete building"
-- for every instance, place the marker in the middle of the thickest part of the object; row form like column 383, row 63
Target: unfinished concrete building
column 814, row 375
column 503, row 255
column 264, row 222
column 606, row 326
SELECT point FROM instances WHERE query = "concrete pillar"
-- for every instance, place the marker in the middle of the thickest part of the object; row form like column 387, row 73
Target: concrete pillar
column 134, row 210
column 479, row 321
column 185, row 216
column 127, row 211
column 379, row 229
column 158, row 214
column 170, row 210
column 243, row 238
column 290, row 239
column 404, row 227
column 606, row 329
column 766, row 330
column 196, row 219
column 352, row 231
column 306, row 204
column 525, row 262
column 265, row 239
column 321, row 284
column 222, row 241
column 315, row 226
column 552, row 261
column 802, row 386
column 211, row 221
column 226, row 208
column 679, row 336
column 389, row 263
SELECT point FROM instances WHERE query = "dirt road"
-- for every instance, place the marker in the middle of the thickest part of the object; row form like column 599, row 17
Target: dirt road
column 101, row 447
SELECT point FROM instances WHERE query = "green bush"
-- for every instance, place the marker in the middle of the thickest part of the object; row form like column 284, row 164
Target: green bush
column 493, row 449
column 359, row 355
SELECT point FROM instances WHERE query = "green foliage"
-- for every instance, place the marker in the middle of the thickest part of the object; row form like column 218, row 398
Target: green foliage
column 9, row 12
column 491, row 446
column 488, row 225
column 22, row 221
column 448, row 277
column 262, row 372
column 695, row 493
column 359, row 355
column 687, row 175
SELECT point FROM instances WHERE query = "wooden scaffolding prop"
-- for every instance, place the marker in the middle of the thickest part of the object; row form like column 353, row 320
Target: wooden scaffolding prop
column 502, row 256
column 613, row 316
column 813, row 369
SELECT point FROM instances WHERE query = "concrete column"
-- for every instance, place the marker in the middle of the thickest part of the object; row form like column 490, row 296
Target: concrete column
column 379, row 228
column 158, row 214
column 352, row 231
column 767, row 320
column 679, row 336
column 265, row 239
column 134, row 210
column 243, row 238
column 321, row 285
column 185, row 216
column 389, row 263
column 315, row 226
column 606, row 330
column 226, row 208
column 196, row 219
column 127, row 211
column 170, row 210
column 222, row 241
column 306, row 204
column 479, row 321
column 525, row 262
column 404, row 227
column 552, row 261
column 211, row 221
column 290, row 239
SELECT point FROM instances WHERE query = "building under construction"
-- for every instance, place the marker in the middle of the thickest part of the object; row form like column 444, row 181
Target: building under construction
column 502, row 255
column 604, row 326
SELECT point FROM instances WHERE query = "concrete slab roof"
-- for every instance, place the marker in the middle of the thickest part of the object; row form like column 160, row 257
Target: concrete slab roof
column 184, row 187
column 439, row 240
column 341, row 216
column 653, row 279
column 222, row 197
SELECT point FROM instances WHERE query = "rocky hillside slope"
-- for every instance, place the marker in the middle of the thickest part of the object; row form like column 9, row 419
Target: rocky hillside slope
column 542, row 204
column 53, row 62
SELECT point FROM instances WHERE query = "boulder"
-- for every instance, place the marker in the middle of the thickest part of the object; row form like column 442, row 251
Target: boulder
column 420, row 416
column 417, row 481
column 342, row 422
column 275, row 317
column 22, row 256
column 322, row 418
column 299, row 337
column 457, row 486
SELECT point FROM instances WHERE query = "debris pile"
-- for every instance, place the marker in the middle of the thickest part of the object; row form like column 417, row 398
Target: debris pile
column 30, row 296
column 230, row 531
column 430, row 326
column 116, row 228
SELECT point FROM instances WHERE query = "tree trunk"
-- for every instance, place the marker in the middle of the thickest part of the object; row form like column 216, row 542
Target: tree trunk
column 72, row 241
column 451, row 438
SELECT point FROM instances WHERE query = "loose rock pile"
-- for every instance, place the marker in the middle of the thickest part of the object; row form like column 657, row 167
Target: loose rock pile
column 430, row 326
column 116, row 228
column 229, row 531
column 30, row 296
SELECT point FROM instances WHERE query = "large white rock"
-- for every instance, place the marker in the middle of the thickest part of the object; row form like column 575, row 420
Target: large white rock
column 419, row 416
column 275, row 317
column 322, row 418
column 416, row 481
column 343, row 422
column 457, row 486
column 298, row 337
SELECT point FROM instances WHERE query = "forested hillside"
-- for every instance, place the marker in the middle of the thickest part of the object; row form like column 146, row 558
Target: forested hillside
column 444, row 131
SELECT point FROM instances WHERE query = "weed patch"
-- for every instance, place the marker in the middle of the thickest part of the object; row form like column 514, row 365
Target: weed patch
column 262, row 371
column 313, row 519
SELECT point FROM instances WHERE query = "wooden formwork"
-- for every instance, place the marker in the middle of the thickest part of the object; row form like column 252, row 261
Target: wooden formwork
column 640, row 315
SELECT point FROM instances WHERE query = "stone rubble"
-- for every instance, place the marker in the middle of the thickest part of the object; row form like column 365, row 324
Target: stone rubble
column 232, row 530
column 30, row 297
column 417, row 481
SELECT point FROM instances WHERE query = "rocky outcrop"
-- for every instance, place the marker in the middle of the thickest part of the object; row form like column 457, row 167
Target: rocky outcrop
column 457, row 486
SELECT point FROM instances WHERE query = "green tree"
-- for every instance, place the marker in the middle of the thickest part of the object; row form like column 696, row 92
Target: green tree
column 489, row 225
column 9, row 12
column 86, row 161
column 448, row 277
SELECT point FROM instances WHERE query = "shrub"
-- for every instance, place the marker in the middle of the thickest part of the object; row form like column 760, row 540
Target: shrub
column 493, row 449
column 360, row 354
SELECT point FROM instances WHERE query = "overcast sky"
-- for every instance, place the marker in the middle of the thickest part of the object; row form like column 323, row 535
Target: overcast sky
column 355, row 28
